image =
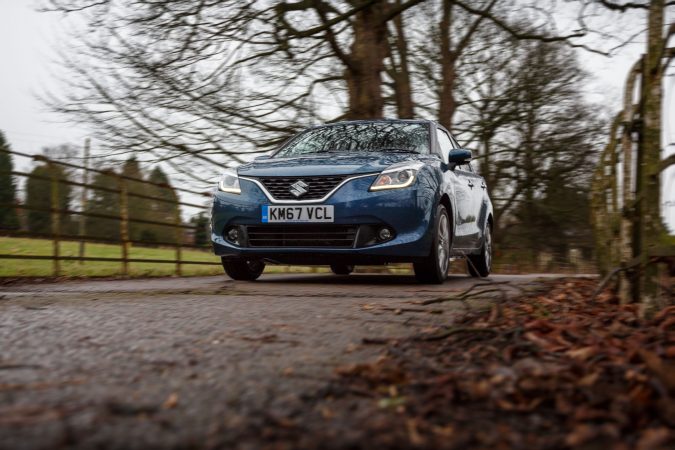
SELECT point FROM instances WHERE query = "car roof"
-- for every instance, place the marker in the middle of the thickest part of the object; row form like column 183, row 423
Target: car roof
column 345, row 122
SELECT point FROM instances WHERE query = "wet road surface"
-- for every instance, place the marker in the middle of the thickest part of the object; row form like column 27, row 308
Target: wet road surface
column 190, row 362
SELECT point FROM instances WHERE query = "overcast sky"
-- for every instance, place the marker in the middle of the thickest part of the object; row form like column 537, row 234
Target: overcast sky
column 26, row 39
column 27, row 42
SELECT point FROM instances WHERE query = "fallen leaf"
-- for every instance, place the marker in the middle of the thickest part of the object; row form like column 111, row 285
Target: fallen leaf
column 580, row 434
column 653, row 438
column 664, row 370
column 414, row 435
column 582, row 354
column 327, row 413
column 171, row 401
column 589, row 380
column 391, row 402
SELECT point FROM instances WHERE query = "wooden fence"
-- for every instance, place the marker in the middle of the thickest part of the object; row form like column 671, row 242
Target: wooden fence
column 631, row 240
column 124, row 241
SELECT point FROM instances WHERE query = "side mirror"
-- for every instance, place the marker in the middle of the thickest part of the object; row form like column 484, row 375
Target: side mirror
column 459, row 155
column 259, row 158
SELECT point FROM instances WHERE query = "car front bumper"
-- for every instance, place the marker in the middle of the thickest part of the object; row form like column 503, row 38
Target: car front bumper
column 408, row 212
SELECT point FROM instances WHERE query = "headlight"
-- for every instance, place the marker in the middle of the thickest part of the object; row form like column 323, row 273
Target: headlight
column 229, row 182
column 396, row 177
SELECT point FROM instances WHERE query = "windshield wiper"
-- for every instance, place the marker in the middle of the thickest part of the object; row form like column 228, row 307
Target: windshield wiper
column 396, row 150
column 370, row 150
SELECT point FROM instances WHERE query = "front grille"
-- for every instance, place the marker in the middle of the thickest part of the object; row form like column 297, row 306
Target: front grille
column 301, row 235
column 317, row 186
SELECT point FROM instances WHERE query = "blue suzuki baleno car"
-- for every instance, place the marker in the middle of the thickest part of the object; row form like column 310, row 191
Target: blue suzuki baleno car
column 358, row 192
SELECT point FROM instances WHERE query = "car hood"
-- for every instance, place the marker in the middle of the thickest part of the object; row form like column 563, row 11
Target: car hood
column 331, row 164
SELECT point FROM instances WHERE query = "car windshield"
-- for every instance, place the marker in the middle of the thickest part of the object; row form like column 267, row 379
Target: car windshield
column 360, row 137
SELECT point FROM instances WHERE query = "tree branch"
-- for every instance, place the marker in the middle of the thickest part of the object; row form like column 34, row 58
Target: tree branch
column 399, row 9
column 330, row 36
column 306, row 4
column 626, row 6
column 667, row 162
column 472, row 29
column 527, row 35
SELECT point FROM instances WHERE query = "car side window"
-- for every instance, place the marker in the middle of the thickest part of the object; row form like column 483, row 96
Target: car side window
column 444, row 143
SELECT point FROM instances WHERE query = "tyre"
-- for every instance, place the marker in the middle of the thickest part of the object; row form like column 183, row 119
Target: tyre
column 341, row 269
column 242, row 269
column 480, row 265
column 435, row 269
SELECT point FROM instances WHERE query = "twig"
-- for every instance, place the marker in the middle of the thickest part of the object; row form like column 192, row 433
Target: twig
column 611, row 275
column 19, row 366
column 464, row 295
column 451, row 332
column 378, row 341
column 429, row 337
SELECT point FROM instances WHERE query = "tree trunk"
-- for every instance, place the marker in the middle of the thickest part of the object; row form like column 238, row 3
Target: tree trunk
column 404, row 101
column 626, row 253
column 447, row 103
column 363, row 74
column 612, row 185
column 651, row 227
column 486, row 162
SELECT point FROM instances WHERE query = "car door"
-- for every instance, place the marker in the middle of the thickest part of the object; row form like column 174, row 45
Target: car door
column 477, row 191
column 460, row 191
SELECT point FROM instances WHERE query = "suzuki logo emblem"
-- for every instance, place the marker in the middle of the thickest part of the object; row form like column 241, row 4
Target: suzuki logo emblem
column 299, row 188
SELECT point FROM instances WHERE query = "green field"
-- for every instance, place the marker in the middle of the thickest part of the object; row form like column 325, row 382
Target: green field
column 44, row 268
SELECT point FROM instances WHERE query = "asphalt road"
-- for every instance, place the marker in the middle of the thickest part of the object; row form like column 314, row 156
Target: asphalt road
column 190, row 362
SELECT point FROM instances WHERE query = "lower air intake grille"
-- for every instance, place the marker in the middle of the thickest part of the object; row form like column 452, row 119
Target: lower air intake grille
column 301, row 236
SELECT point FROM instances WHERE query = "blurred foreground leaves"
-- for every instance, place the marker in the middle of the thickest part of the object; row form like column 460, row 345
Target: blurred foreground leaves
column 559, row 369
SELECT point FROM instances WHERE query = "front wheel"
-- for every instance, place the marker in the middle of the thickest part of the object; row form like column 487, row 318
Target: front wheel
column 480, row 265
column 341, row 269
column 242, row 269
column 435, row 269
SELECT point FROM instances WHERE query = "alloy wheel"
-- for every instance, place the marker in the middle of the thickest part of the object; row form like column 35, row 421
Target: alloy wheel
column 443, row 243
column 488, row 248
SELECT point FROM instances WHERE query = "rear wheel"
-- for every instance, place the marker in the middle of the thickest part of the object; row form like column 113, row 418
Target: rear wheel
column 480, row 265
column 435, row 269
column 243, row 269
column 341, row 269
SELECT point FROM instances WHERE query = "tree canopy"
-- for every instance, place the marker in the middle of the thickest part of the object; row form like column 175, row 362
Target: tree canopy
column 207, row 82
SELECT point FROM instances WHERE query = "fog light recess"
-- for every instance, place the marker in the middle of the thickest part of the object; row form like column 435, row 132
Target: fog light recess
column 233, row 235
column 384, row 234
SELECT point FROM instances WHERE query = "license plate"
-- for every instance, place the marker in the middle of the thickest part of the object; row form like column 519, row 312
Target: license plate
column 304, row 213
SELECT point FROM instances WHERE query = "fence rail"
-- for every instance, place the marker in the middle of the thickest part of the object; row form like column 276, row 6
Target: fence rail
column 125, row 218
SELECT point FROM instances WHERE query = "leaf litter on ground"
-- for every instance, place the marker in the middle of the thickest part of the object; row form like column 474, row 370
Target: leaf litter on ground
column 553, row 368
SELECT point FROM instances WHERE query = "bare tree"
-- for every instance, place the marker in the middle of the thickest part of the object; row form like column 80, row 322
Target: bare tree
column 535, row 136
column 212, row 81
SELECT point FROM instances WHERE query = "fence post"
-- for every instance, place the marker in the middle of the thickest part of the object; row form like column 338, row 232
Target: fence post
column 626, row 280
column 124, row 225
column 179, row 240
column 55, row 218
column 83, row 200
